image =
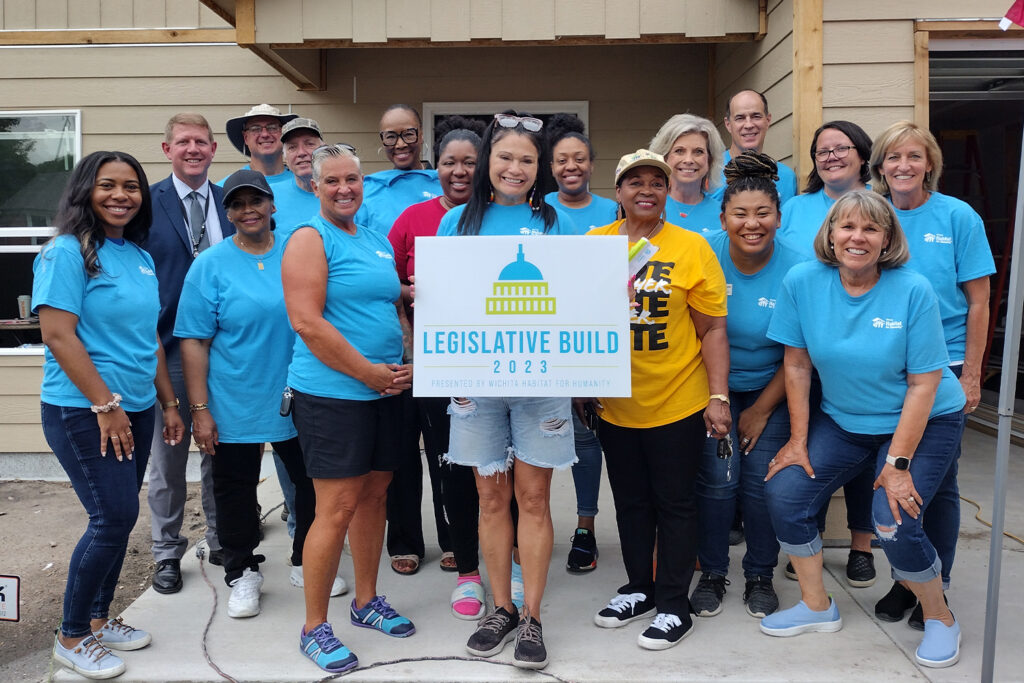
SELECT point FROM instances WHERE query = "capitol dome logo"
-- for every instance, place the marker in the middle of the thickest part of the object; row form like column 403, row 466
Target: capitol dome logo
column 520, row 290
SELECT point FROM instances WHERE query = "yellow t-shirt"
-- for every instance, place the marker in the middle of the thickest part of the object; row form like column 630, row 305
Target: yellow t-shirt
column 668, row 376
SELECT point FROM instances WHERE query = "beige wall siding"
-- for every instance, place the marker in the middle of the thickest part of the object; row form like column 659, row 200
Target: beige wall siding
column 19, row 405
column 84, row 14
column 765, row 66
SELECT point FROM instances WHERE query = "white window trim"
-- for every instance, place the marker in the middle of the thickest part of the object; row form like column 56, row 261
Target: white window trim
column 580, row 108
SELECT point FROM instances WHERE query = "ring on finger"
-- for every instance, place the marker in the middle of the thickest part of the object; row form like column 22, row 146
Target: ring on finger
column 115, row 437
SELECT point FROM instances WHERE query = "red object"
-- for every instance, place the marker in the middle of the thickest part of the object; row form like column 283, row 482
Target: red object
column 1014, row 15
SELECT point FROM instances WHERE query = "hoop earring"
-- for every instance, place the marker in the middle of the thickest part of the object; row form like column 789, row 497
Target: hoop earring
column 533, row 192
column 492, row 195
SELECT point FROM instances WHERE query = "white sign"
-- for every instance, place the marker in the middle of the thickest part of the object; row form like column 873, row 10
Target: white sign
column 531, row 315
column 10, row 590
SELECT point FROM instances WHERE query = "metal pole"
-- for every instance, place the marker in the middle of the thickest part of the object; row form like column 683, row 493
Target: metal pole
column 1007, row 392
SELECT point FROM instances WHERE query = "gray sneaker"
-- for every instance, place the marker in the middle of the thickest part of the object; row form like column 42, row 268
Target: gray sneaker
column 706, row 600
column 496, row 629
column 530, row 650
column 759, row 597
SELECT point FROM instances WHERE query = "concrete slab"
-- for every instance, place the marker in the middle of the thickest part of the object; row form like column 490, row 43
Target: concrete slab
column 726, row 647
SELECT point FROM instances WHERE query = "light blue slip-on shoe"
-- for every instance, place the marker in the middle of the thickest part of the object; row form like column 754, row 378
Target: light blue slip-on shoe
column 381, row 616
column 802, row 619
column 326, row 651
column 940, row 646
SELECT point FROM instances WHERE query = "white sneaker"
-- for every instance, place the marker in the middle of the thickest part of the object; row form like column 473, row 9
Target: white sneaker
column 339, row 587
column 245, row 595
column 89, row 658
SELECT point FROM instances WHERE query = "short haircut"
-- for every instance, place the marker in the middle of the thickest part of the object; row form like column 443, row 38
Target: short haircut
column 876, row 209
column 896, row 134
column 186, row 118
column 325, row 152
column 861, row 141
column 404, row 107
column 682, row 124
column 728, row 104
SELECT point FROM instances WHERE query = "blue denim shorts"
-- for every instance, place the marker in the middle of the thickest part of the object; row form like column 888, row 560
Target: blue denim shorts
column 490, row 433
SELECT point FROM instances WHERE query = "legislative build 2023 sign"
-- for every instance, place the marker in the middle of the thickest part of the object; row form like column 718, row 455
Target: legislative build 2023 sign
column 530, row 315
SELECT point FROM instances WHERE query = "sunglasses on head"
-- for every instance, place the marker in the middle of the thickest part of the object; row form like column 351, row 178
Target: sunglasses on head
column 529, row 123
column 336, row 146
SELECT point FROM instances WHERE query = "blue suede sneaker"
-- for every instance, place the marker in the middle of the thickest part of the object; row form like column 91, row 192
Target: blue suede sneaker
column 802, row 619
column 940, row 646
column 326, row 651
column 379, row 615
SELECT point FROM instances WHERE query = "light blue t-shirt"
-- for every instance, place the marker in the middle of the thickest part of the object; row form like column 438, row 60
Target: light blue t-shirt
column 362, row 288
column 786, row 184
column 271, row 179
column 704, row 218
column 386, row 194
column 499, row 219
column 117, row 312
column 753, row 358
column 802, row 217
column 598, row 213
column 229, row 298
column 294, row 206
column 948, row 246
column 863, row 347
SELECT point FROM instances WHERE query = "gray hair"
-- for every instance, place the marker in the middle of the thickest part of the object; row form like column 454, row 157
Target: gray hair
column 876, row 209
column 683, row 124
column 324, row 152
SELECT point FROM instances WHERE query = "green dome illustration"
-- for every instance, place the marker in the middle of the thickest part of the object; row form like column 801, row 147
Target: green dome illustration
column 520, row 269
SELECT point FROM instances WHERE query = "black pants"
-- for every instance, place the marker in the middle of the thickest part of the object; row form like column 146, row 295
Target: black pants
column 405, row 493
column 652, row 473
column 236, row 473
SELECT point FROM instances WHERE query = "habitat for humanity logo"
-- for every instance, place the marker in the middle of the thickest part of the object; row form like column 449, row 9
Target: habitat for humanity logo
column 886, row 324
column 937, row 238
column 520, row 289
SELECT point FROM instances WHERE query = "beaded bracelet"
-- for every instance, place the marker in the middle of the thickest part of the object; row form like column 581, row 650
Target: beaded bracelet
column 196, row 407
column 107, row 407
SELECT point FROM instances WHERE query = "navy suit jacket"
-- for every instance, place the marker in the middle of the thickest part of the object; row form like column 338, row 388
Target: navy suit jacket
column 170, row 245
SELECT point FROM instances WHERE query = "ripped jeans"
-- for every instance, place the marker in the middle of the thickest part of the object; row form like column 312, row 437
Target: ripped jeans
column 490, row 433
column 836, row 455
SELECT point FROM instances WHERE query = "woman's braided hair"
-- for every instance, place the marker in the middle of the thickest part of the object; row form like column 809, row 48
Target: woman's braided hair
column 751, row 171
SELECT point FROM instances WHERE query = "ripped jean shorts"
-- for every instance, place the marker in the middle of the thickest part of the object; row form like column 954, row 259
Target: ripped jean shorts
column 490, row 433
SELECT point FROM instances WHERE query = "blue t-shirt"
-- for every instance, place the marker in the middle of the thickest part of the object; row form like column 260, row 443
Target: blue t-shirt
column 229, row 298
column 753, row 358
column 704, row 218
column 948, row 246
column 599, row 212
column 271, row 179
column 294, row 206
column 499, row 219
column 786, row 184
column 117, row 312
column 802, row 217
column 386, row 194
column 863, row 347
column 362, row 288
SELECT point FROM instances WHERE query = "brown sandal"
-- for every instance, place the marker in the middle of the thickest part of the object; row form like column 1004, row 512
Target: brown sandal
column 448, row 561
column 406, row 565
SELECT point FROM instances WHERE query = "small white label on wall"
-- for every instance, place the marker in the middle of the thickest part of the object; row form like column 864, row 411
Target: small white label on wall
column 10, row 593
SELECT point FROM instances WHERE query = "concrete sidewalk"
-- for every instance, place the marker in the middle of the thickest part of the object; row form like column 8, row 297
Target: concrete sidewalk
column 727, row 647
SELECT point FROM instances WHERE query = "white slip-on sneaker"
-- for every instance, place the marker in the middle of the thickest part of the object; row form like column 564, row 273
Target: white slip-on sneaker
column 245, row 595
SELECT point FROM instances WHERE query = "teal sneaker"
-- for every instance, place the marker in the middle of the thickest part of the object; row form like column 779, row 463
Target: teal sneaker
column 326, row 651
column 940, row 646
column 802, row 619
column 379, row 615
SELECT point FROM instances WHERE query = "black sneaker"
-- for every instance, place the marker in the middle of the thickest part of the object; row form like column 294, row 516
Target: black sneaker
column 916, row 620
column 583, row 553
column 665, row 631
column 496, row 629
column 706, row 600
column 530, row 651
column 624, row 608
column 759, row 597
column 860, row 569
column 790, row 572
column 894, row 606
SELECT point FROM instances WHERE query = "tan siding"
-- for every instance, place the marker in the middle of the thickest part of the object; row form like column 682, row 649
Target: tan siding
column 622, row 19
column 872, row 119
column 327, row 19
column 116, row 14
column 278, row 22
column 51, row 14
column 528, row 20
column 19, row 14
column 183, row 13
column 485, row 19
column 868, row 84
column 22, row 380
column 450, row 20
column 369, row 21
column 148, row 13
column 662, row 16
column 861, row 42
column 84, row 14
column 24, row 439
column 20, row 410
column 843, row 10
column 108, row 14
column 408, row 19
column 580, row 17
column 705, row 18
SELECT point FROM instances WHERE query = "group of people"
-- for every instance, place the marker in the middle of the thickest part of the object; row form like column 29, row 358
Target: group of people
column 784, row 345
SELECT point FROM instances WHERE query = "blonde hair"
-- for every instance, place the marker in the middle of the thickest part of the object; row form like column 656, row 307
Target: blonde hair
column 896, row 134
column 186, row 118
column 873, row 207
column 684, row 124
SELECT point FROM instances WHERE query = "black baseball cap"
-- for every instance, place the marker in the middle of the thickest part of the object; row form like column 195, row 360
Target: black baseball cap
column 245, row 178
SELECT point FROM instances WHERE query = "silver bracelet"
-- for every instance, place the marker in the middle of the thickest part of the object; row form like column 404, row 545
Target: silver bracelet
column 107, row 407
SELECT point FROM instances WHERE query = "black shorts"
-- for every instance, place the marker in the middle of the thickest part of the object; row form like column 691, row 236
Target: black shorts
column 345, row 438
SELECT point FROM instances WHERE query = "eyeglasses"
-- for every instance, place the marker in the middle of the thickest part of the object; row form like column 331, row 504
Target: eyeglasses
column 389, row 138
column 256, row 129
column 333, row 149
column 840, row 152
column 511, row 121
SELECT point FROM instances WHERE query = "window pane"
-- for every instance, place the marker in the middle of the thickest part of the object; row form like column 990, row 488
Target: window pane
column 37, row 153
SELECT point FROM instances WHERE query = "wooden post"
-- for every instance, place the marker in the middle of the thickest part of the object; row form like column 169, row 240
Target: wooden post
column 808, row 53
column 921, row 112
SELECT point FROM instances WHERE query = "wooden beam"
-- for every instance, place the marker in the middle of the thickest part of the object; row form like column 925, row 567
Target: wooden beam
column 219, row 11
column 968, row 29
column 245, row 22
column 305, row 68
column 921, row 107
column 808, row 49
column 117, row 36
column 562, row 41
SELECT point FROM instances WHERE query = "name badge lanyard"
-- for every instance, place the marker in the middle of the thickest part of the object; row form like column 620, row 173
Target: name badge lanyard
column 202, row 230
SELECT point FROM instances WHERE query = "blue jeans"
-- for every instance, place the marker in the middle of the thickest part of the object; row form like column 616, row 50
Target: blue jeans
column 835, row 454
column 287, row 491
column 942, row 525
column 586, row 473
column 721, row 480
column 109, row 491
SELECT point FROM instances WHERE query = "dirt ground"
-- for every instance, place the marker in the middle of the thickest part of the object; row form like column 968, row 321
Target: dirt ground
column 40, row 523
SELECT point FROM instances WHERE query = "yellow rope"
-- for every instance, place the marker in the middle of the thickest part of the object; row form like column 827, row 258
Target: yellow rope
column 977, row 516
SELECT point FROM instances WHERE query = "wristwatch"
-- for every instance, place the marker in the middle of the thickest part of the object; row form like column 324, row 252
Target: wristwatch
column 899, row 463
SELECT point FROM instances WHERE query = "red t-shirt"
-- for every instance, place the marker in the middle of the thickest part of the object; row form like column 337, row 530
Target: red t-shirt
column 419, row 220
